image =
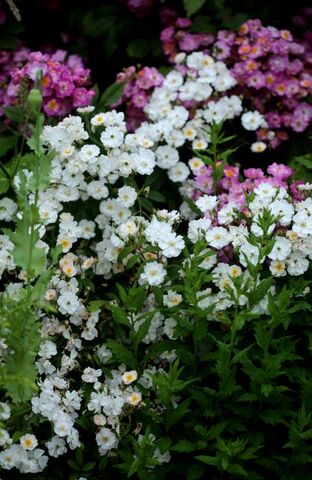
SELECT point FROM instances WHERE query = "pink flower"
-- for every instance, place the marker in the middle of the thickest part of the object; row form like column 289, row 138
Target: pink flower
column 280, row 171
column 64, row 80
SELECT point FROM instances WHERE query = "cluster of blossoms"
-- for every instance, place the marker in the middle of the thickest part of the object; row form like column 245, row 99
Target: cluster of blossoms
column 139, row 85
column 191, row 98
column 82, row 171
column 258, row 222
column 231, row 187
column 9, row 60
column 65, row 80
column 246, row 200
column 273, row 72
column 176, row 38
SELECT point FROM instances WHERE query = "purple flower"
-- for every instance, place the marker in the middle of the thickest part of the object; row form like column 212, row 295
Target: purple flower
column 256, row 80
column 188, row 43
column 278, row 63
column 280, row 171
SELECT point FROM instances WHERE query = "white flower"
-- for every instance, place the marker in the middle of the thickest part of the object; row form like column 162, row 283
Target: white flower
column 87, row 229
column 28, row 442
column 265, row 190
column 104, row 353
column 134, row 398
column 153, row 274
column 47, row 349
column 206, row 203
column 195, row 163
column 129, row 377
column 248, row 252
column 63, row 424
column 217, row 237
column 172, row 245
column 5, row 411
column 127, row 196
column 106, row 440
column 89, row 153
column 90, row 375
column 166, row 156
column 252, row 120
column 7, row 209
column 5, row 438
column 172, row 299
column 68, row 302
column 278, row 268
column 173, row 80
column 296, row 263
column 98, row 119
column 144, row 161
column 283, row 210
column 199, row 144
column 179, row 172
column 96, row 189
column 302, row 224
column 112, row 137
column 258, row 147
column 197, row 229
column 88, row 109
column 281, row 249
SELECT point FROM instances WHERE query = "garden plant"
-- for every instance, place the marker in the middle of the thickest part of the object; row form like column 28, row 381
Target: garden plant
column 155, row 240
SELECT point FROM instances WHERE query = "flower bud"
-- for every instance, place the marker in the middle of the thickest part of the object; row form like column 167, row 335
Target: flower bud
column 34, row 100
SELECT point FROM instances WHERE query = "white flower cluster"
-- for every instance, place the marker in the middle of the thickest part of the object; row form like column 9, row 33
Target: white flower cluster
column 290, row 231
column 95, row 167
column 201, row 83
column 6, row 254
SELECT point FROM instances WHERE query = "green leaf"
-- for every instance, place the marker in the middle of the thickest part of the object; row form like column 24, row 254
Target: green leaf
column 111, row 95
column 95, row 305
column 6, row 143
column 184, row 446
column 122, row 353
column 73, row 465
column 157, row 197
column 14, row 113
column 119, row 315
column 89, row 466
column 208, row 460
column 146, row 204
column 192, row 6
column 4, row 184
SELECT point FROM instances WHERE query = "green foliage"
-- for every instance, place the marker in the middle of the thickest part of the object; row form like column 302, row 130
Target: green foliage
column 192, row 6
column 113, row 93
column 20, row 329
column 20, row 322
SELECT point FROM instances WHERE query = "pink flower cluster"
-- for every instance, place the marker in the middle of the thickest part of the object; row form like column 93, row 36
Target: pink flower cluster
column 8, row 61
column 273, row 70
column 232, row 188
column 140, row 8
column 138, row 88
column 273, row 74
column 176, row 37
column 65, row 81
